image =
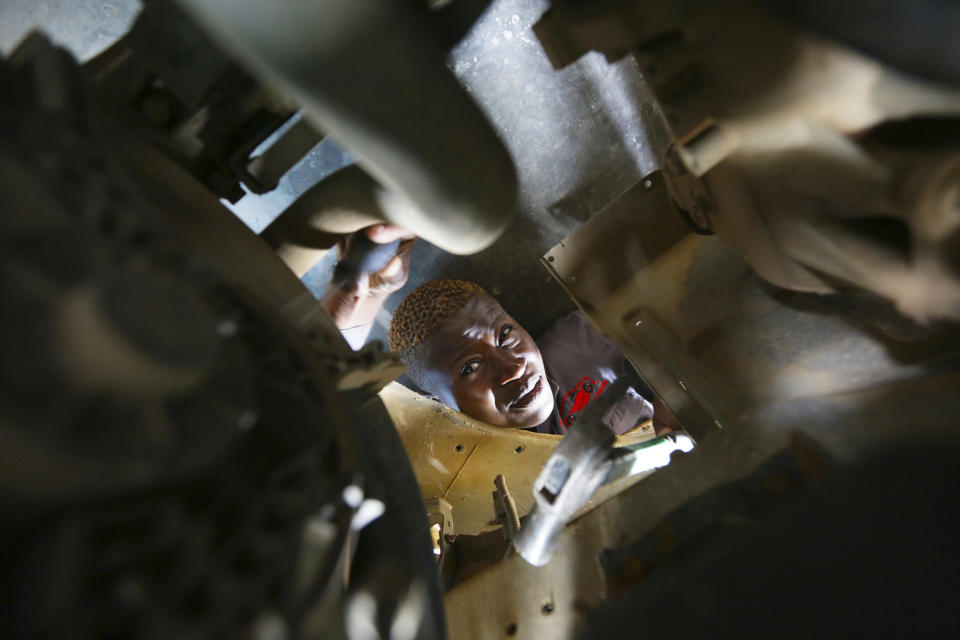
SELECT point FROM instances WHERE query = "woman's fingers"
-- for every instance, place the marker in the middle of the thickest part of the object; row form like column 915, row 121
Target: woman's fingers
column 395, row 273
column 384, row 233
column 393, row 268
column 406, row 246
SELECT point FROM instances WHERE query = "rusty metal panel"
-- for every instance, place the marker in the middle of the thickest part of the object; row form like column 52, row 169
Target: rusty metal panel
column 715, row 341
column 456, row 458
column 617, row 249
column 617, row 242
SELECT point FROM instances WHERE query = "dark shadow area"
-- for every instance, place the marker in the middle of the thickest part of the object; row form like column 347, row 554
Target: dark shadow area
column 867, row 553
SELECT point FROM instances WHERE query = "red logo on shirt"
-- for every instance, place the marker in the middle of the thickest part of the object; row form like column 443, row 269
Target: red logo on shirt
column 580, row 396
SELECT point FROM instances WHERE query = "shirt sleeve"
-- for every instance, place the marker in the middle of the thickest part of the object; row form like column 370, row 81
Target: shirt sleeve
column 571, row 341
column 628, row 412
column 580, row 363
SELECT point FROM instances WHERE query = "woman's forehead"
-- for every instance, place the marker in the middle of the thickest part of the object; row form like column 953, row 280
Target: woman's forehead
column 481, row 310
column 472, row 323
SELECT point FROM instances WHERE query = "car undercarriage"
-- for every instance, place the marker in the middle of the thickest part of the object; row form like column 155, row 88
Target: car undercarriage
column 760, row 205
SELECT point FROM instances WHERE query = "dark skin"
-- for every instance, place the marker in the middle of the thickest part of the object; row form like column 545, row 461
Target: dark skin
column 486, row 365
column 358, row 304
column 482, row 362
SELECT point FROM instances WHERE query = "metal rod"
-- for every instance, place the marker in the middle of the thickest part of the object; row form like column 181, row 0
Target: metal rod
column 371, row 74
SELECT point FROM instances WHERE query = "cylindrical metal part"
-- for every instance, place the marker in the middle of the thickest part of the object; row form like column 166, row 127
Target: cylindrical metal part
column 371, row 75
column 708, row 148
column 344, row 202
column 538, row 537
column 511, row 519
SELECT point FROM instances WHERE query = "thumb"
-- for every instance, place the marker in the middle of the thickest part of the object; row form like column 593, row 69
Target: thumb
column 393, row 267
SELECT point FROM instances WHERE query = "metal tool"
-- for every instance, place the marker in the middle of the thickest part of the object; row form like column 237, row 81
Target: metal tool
column 363, row 256
column 585, row 460
column 505, row 508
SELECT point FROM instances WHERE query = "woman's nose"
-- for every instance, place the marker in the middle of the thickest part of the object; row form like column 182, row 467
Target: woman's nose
column 509, row 368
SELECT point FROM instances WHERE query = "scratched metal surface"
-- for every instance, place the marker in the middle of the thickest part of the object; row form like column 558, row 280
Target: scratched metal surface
column 84, row 27
column 579, row 137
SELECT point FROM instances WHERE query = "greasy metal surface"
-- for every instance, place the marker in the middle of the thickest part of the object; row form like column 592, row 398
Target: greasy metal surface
column 245, row 260
column 205, row 225
column 258, row 211
column 733, row 345
column 886, row 227
column 716, row 343
column 457, row 458
column 361, row 69
column 84, row 27
column 799, row 188
column 344, row 202
column 570, row 476
column 623, row 238
column 848, row 425
column 168, row 81
column 696, row 54
column 505, row 508
column 142, row 504
column 605, row 253
column 783, row 478
column 831, row 556
column 273, row 158
column 579, row 137
column 527, row 602
column 585, row 460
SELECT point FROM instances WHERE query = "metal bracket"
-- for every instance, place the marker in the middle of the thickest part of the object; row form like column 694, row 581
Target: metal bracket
column 505, row 508
column 584, row 461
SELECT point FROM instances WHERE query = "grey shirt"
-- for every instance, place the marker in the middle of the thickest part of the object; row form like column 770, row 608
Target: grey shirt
column 580, row 364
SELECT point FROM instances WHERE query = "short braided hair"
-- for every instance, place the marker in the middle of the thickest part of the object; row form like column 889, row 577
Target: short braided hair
column 426, row 309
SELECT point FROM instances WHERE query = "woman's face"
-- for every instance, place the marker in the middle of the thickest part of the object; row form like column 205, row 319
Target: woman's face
column 486, row 365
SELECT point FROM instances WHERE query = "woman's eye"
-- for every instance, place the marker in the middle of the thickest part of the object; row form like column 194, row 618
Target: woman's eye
column 469, row 368
column 503, row 334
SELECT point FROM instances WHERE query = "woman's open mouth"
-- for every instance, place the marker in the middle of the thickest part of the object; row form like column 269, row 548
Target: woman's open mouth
column 528, row 397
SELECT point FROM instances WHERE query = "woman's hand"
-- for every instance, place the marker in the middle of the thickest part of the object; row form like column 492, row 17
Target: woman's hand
column 357, row 303
column 395, row 273
column 664, row 421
